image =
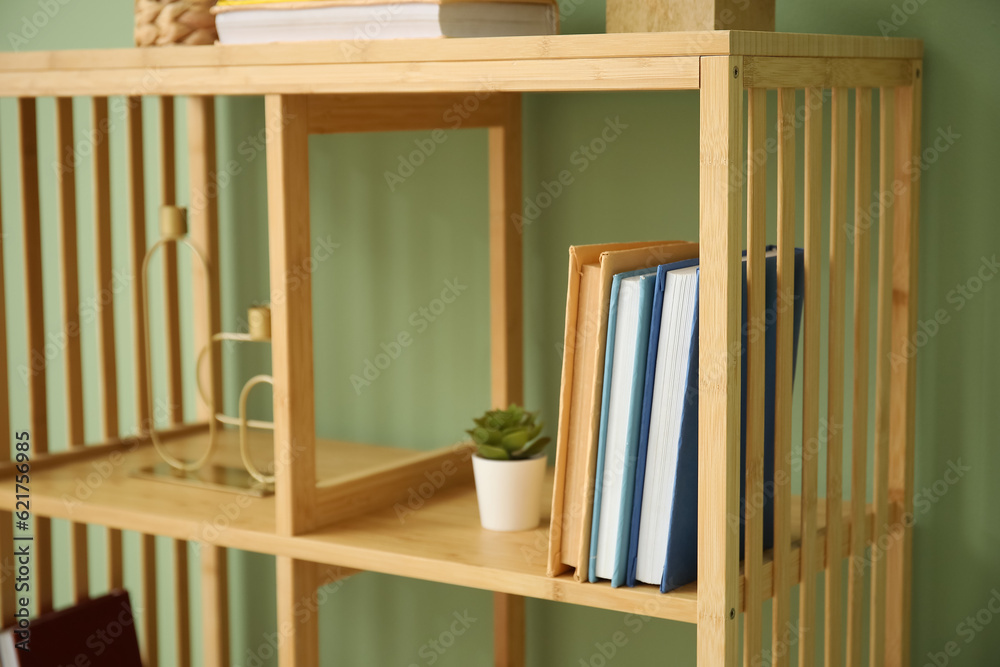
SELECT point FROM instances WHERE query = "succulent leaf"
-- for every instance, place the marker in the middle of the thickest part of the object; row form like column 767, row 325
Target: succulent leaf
column 531, row 450
column 491, row 452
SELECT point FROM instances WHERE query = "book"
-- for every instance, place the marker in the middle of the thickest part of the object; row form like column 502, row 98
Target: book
column 670, row 346
column 580, row 389
column 681, row 558
column 621, row 412
column 100, row 631
column 263, row 21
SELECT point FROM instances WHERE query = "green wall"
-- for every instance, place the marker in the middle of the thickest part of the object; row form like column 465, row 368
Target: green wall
column 396, row 247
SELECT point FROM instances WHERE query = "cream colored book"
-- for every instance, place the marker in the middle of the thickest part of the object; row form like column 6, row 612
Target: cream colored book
column 359, row 21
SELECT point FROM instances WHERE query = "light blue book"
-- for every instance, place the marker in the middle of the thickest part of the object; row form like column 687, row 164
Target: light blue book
column 621, row 419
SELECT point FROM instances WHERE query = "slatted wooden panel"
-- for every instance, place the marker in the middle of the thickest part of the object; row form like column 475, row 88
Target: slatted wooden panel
column 833, row 597
column 862, row 318
column 797, row 563
column 35, row 320
column 756, row 276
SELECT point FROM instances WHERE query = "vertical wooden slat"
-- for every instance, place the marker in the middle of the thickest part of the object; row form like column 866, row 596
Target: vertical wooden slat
column 172, row 343
column 35, row 321
column 721, row 218
column 7, row 573
column 904, row 326
column 781, row 605
column 811, row 436
column 756, row 276
column 204, row 234
column 887, row 172
column 506, row 329
column 506, row 311
column 859, row 430
column 105, row 306
column 171, row 307
column 215, row 605
column 66, row 183
column 182, row 602
column 833, row 596
column 137, row 250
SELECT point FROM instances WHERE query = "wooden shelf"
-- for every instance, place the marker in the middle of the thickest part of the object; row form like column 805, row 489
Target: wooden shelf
column 336, row 502
column 652, row 61
column 437, row 537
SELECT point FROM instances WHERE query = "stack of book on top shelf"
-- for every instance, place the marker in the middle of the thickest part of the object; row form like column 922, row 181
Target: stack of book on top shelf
column 358, row 22
column 625, row 503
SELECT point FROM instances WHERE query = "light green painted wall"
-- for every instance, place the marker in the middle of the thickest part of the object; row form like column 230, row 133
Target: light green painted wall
column 396, row 248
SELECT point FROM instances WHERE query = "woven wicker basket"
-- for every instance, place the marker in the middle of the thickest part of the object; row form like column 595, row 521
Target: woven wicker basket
column 164, row 22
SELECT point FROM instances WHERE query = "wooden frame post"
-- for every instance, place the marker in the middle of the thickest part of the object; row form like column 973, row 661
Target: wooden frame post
column 903, row 368
column 506, row 329
column 721, row 239
column 287, row 122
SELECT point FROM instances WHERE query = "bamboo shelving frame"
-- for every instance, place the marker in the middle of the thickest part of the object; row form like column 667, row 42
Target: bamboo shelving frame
column 333, row 500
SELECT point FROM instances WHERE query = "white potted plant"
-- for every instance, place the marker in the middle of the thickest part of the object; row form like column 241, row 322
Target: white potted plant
column 509, row 468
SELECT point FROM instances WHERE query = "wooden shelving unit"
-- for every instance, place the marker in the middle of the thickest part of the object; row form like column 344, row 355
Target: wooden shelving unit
column 339, row 503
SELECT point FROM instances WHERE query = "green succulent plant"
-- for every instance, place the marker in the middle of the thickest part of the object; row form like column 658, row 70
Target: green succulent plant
column 510, row 434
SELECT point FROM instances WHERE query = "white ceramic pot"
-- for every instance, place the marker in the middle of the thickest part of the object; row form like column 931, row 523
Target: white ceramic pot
column 509, row 492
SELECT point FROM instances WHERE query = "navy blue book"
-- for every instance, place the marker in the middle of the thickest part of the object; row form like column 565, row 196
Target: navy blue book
column 681, row 565
column 662, row 357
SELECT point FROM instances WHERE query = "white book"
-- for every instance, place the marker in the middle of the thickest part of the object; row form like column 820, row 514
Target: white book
column 634, row 301
column 673, row 354
column 360, row 23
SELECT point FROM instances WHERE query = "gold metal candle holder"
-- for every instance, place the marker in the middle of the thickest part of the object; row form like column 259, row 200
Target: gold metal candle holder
column 173, row 229
column 259, row 331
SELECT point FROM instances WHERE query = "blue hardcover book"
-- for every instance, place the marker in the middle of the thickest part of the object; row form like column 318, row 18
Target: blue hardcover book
column 647, row 402
column 682, row 542
column 605, row 405
column 647, row 285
